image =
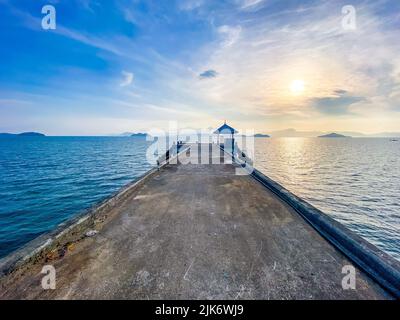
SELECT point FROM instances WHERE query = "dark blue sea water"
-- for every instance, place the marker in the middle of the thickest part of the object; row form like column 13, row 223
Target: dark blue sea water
column 46, row 180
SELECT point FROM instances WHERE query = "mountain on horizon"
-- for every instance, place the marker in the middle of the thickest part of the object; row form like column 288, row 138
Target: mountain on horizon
column 288, row 133
column 131, row 134
column 333, row 135
column 139, row 134
column 291, row 132
column 312, row 134
column 23, row 134
column 126, row 134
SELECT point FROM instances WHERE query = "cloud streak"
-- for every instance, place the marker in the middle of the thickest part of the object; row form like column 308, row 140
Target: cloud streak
column 247, row 4
column 127, row 79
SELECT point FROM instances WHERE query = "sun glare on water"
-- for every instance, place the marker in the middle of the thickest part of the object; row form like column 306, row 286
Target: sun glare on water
column 297, row 87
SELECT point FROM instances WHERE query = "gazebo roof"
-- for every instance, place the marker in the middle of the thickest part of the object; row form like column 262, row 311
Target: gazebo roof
column 225, row 129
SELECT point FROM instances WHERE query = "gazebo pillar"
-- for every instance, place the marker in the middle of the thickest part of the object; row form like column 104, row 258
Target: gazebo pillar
column 226, row 129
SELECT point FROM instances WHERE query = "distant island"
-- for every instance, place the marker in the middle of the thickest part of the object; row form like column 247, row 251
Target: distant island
column 139, row 134
column 261, row 135
column 312, row 134
column 333, row 135
column 23, row 134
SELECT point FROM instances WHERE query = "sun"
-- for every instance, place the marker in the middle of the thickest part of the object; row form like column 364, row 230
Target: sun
column 297, row 87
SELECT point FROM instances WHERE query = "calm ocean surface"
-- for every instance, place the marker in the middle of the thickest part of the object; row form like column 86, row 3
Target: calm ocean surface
column 356, row 181
column 45, row 181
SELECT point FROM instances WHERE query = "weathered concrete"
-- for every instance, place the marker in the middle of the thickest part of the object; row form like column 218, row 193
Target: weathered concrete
column 194, row 232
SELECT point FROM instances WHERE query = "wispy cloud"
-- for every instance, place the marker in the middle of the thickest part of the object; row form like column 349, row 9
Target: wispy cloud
column 127, row 79
column 250, row 55
column 230, row 34
column 190, row 4
column 306, row 43
column 89, row 4
column 34, row 23
column 247, row 4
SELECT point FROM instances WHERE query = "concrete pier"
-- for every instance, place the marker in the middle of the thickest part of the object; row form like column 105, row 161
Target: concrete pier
column 194, row 231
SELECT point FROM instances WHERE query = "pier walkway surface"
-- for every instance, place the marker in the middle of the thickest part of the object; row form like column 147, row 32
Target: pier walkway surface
column 194, row 231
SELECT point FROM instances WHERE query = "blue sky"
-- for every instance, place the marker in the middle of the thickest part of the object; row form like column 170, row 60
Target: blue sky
column 131, row 65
